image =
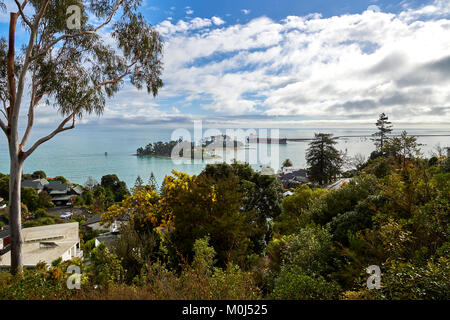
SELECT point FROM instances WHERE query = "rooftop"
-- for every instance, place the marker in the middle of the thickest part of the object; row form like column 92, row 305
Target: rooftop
column 35, row 248
column 56, row 185
column 37, row 184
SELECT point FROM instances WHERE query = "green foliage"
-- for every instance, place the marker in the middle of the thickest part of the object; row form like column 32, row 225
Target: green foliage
column 105, row 268
column 39, row 174
column 445, row 166
column 294, row 207
column 310, row 250
column 78, row 201
column 335, row 202
column 4, row 186
column 352, row 221
column 40, row 213
column 408, row 281
column 262, row 194
column 206, row 206
column 88, row 197
column 295, row 285
column 45, row 200
column 136, row 247
column 114, row 187
column 30, row 198
column 61, row 179
column 34, row 285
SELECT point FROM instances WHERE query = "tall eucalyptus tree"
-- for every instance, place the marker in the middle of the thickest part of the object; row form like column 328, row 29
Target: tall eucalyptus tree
column 67, row 62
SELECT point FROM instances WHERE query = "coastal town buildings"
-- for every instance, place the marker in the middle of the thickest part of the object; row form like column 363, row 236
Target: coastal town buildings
column 60, row 192
column 46, row 244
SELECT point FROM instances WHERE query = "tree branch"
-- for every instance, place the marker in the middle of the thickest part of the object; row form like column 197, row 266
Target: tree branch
column 22, row 14
column 82, row 33
column 61, row 128
column 26, row 135
column 20, row 88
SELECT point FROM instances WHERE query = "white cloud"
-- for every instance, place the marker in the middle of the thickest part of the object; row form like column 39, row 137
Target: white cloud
column 189, row 11
column 339, row 71
column 374, row 8
column 217, row 21
column 168, row 28
column 349, row 66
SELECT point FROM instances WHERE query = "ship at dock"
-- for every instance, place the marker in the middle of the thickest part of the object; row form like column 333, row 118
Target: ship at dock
column 255, row 139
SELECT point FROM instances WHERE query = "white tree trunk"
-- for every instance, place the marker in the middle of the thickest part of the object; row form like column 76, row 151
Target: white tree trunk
column 15, row 215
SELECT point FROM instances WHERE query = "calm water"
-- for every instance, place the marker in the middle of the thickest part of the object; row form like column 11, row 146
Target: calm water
column 80, row 153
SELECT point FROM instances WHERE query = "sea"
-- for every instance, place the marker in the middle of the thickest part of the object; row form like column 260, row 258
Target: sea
column 94, row 152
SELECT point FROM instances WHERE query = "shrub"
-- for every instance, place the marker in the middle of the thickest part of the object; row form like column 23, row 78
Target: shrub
column 309, row 250
column 293, row 284
column 336, row 202
column 40, row 213
column 352, row 221
column 105, row 268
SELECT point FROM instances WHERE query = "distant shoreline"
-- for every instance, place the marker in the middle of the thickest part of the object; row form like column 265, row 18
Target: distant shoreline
column 370, row 136
column 172, row 158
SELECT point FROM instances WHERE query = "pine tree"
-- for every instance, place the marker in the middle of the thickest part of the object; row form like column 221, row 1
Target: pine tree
column 152, row 182
column 324, row 160
column 384, row 128
column 139, row 182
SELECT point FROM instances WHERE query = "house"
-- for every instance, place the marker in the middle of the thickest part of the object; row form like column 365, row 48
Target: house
column 294, row 179
column 5, row 240
column 37, row 184
column 93, row 223
column 46, row 244
column 59, row 192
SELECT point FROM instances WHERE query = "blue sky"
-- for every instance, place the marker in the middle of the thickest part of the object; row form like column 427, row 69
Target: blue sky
column 160, row 10
column 291, row 64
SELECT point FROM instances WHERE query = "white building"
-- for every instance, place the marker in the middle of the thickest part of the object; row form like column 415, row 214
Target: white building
column 48, row 243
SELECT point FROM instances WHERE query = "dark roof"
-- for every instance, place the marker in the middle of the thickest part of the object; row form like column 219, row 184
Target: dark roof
column 35, row 184
column 108, row 238
column 56, row 185
column 5, row 232
column 302, row 173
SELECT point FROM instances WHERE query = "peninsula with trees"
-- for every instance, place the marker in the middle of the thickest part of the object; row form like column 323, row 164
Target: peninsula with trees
column 190, row 150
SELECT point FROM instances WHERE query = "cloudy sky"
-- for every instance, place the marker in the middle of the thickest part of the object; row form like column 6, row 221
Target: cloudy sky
column 292, row 64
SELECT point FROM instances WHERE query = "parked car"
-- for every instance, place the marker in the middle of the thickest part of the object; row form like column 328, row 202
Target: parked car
column 67, row 215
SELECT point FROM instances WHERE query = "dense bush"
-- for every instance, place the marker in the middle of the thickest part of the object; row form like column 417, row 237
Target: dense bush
column 294, row 284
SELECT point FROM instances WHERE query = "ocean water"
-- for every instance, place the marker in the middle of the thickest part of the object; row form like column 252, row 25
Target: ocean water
column 80, row 153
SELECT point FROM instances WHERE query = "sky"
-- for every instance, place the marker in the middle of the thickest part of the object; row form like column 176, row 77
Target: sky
column 289, row 64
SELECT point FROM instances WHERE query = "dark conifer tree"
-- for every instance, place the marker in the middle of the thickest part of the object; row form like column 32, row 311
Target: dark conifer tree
column 384, row 128
column 323, row 159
